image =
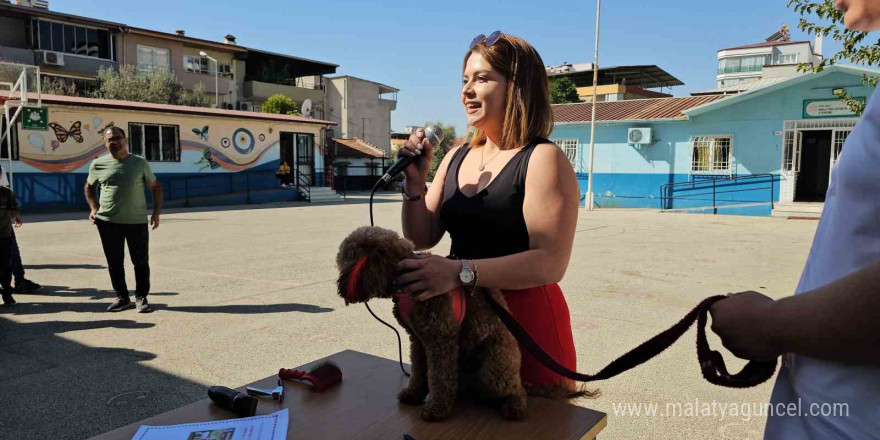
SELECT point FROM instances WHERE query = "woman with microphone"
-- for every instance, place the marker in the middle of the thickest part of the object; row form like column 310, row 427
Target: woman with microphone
column 509, row 200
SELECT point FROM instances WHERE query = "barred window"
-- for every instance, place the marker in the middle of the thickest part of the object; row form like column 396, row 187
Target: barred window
column 569, row 147
column 154, row 142
column 711, row 154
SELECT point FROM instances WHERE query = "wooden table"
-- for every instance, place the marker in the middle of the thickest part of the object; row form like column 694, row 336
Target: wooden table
column 364, row 406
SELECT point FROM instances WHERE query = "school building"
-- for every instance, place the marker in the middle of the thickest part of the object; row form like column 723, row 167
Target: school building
column 769, row 148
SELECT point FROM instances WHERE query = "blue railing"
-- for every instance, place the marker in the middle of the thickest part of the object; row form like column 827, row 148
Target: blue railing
column 698, row 194
column 217, row 184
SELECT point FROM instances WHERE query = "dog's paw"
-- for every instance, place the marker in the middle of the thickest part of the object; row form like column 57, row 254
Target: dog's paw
column 434, row 413
column 514, row 408
column 411, row 396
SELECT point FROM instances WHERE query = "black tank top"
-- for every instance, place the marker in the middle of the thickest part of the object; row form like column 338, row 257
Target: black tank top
column 490, row 224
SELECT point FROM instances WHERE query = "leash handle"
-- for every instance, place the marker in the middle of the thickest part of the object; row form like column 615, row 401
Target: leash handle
column 711, row 363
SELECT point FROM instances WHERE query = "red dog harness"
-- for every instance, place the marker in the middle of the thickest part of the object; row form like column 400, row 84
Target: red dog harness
column 405, row 302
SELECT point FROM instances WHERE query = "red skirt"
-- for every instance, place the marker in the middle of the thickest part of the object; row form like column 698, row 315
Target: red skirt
column 543, row 312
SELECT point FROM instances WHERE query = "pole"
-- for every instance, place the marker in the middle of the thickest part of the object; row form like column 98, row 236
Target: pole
column 589, row 197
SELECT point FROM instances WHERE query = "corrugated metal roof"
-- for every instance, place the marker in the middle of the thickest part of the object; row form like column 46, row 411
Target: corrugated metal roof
column 361, row 146
column 736, row 88
column 634, row 109
column 168, row 108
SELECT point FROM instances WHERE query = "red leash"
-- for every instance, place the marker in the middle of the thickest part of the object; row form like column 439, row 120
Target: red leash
column 711, row 363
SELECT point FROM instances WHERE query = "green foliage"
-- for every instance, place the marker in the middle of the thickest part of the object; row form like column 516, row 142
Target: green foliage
column 58, row 86
column 563, row 91
column 127, row 83
column 855, row 49
column 281, row 105
column 198, row 97
column 441, row 150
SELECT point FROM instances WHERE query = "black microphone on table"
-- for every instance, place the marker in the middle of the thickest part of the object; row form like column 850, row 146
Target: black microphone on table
column 433, row 134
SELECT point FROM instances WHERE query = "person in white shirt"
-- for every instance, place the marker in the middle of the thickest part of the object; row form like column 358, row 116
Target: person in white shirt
column 828, row 332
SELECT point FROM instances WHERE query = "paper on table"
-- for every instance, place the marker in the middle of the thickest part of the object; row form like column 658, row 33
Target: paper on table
column 269, row 427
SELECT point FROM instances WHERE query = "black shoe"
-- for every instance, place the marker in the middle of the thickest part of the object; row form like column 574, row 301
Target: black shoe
column 7, row 299
column 26, row 286
column 122, row 303
column 142, row 305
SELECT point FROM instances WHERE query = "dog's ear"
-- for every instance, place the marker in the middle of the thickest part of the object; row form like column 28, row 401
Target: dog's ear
column 367, row 260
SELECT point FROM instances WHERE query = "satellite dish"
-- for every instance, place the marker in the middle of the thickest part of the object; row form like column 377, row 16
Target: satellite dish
column 307, row 108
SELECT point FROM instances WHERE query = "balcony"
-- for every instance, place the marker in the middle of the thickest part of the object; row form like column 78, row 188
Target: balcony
column 739, row 69
column 17, row 55
column 261, row 91
column 80, row 64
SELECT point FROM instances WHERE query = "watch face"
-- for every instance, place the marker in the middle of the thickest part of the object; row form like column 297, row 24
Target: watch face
column 466, row 277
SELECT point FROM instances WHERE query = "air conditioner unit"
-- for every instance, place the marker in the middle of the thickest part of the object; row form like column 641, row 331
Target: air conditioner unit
column 639, row 135
column 245, row 106
column 53, row 58
column 229, row 106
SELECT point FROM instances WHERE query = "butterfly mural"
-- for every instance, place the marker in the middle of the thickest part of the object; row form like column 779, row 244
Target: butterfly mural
column 207, row 161
column 62, row 135
column 203, row 133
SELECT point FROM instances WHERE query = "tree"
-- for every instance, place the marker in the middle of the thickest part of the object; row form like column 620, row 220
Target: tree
column 280, row 105
column 441, row 150
column 563, row 91
column 58, row 86
column 197, row 97
column 127, row 83
column 855, row 49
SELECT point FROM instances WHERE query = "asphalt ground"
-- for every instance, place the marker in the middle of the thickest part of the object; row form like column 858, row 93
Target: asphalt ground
column 240, row 292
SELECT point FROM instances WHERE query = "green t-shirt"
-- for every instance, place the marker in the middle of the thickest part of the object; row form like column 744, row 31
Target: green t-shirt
column 7, row 206
column 122, row 188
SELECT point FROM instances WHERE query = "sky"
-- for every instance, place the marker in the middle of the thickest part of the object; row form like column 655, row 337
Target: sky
column 418, row 47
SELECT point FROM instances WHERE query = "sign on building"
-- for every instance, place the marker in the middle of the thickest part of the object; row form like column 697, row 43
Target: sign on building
column 828, row 108
column 35, row 118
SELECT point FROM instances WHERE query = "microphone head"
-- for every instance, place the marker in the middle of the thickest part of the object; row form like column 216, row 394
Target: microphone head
column 434, row 135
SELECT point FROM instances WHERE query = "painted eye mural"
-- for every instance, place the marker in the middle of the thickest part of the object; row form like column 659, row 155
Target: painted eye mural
column 243, row 141
column 262, row 137
column 203, row 133
column 225, row 142
column 37, row 141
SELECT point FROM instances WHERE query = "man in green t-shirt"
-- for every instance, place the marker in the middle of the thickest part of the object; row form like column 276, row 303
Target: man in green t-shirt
column 121, row 215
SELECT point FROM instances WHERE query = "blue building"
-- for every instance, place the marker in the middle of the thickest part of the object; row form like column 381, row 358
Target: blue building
column 771, row 146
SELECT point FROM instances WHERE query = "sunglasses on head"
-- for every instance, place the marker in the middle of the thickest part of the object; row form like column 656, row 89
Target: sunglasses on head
column 490, row 40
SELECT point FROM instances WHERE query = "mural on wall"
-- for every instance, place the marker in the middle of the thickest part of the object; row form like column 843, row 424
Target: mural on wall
column 62, row 134
column 233, row 145
column 202, row 134
column 206, row 161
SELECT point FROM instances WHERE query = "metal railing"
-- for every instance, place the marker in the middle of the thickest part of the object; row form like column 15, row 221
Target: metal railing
column 218, row 184
column 304, row 185
column 714, row 186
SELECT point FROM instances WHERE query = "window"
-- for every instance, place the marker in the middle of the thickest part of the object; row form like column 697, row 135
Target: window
column 156, row 143
column 786, row 58
column 743, row 64
column 711, row 154
column 196, row 64
column 569, row 147
column 72, row 39
column 153, row 58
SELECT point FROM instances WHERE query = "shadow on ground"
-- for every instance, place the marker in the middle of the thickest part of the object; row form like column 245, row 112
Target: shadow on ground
column 57, row 388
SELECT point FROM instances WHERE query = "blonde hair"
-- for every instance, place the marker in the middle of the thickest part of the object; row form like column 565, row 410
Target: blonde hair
column 527, row 113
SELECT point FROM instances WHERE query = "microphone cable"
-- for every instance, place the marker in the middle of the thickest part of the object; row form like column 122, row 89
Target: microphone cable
column 399, row 342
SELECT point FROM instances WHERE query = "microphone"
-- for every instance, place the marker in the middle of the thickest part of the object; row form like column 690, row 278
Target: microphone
column 433, row 134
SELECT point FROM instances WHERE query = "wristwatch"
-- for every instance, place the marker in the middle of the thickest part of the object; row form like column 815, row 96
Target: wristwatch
column 466, row 276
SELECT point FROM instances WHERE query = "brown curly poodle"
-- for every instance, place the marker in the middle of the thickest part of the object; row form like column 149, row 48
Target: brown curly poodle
column 477, row 356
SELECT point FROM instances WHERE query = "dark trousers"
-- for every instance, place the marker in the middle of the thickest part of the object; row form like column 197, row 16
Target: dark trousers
column 5, row 256
column 113, row 238
column 16, row 266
